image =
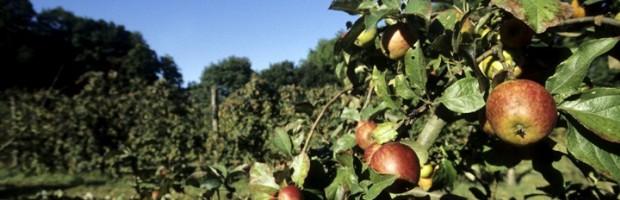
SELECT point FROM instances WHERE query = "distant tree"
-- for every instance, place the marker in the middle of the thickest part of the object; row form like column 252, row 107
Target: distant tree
column 280, row 74
column 54, row 48
column 170, row 71
column 228, row 74
column 318, row 68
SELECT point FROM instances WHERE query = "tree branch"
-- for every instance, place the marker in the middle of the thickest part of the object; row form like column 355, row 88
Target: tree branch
column 431, row 131
column 318, row 118
column 597, row 20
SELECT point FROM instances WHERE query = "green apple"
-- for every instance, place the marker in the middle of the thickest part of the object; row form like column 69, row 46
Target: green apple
column 365, row 36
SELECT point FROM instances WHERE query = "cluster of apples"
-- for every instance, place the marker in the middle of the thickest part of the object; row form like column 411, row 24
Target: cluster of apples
column 520, row 112
column 395, row 40
column 391, row 158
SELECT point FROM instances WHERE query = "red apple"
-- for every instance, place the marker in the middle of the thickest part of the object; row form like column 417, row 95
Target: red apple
column 363, row 133
column 370, row 151
column 400, row 160
column 521, row 112
column 290, row 193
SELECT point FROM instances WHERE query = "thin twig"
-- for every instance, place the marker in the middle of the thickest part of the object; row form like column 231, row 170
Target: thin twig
column 487, row 53
column 318, row 118
column 597, row 20
column 417, row 192
column 368, row 95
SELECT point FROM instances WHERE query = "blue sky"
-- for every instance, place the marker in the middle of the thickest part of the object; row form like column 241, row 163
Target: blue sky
column 200, row 32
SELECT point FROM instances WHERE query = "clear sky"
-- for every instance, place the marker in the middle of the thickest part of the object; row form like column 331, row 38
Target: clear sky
column 200, row 32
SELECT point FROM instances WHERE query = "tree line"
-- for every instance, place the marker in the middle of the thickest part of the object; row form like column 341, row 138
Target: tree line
column 80, row 94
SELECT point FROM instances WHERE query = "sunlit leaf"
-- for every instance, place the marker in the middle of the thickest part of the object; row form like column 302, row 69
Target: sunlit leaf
column 415, row 68
column 402, row 87
column 301, row 166
column 538, row 14
column 571, row 72
column 350, row 114
column 422, row 8
column 282, row 141
column 381, row 88
column 262, row 182
column 599, row 111
column 349, row 6
column 463, row 96
column 385, row 132
column 344, row 143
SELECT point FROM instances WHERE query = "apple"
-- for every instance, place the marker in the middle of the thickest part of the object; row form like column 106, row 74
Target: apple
column 515, row 34
column 521, row 112
column 365, row 36
column 578, row 10
column 491, row 66
column 425, row 183
column 363, row 133
column 370, row 151
column 396, row 40
column 155, row 195
column 400, row 160
column 426, row 171
column 289, row 193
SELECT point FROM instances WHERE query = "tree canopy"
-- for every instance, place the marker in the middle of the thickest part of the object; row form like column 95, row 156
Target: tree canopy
column 54, row 48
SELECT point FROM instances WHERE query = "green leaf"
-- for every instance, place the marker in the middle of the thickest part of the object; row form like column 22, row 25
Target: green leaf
column 391, row 4
column 349, row 6
column 211, row 183
column 570, row 73
column 282, row 141
column 345, row 159
column 380, row 182
column 262, row 182
column 350, row 114
column 599, row 111
column 463, row 96
column 445, row 175
column 385, row 132
column 402, row 87
column 301, row 166
column 415, row 68
column 381, row 88
column 538, row 14
column 603, row 156
column 344, row 143
column 448, row 18
column 369, row 111
column 422, row 8
column 346, row 182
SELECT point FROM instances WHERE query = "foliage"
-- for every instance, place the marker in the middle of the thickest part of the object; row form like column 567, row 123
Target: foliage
column 280, row 74
column 274, row 131
column 228, row 74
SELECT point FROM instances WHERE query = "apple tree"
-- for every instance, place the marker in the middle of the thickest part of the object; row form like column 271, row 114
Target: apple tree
column 464, row 99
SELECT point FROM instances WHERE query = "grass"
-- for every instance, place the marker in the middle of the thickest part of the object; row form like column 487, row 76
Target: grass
column 19, row 185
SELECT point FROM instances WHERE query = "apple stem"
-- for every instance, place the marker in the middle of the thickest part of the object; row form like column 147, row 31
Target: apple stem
column 431, row 131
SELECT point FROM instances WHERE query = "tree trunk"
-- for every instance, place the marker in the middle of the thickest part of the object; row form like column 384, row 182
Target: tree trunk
column 214, row 107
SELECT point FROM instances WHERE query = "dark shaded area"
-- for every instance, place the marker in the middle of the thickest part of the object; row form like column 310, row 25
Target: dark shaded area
column 54, row 48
